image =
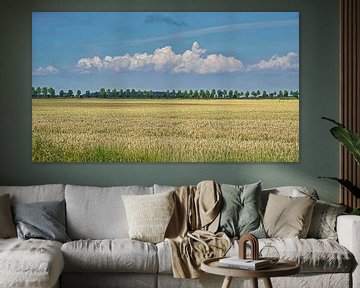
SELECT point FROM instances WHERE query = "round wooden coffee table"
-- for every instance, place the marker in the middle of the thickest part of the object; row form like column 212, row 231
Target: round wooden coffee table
column 281, row 268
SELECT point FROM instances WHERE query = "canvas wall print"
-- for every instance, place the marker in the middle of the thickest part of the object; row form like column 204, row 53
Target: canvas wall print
column 165, row 87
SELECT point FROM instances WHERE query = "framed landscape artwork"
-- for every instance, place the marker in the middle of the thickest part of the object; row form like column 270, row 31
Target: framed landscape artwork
column 165, row 87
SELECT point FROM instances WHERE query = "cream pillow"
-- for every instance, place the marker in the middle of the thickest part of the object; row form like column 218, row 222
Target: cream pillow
column 149, row 215
column 288, row 217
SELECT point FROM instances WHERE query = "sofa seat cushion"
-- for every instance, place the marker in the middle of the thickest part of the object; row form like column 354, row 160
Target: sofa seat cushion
column 30, row 263
column 313, row 255
column 115, row 255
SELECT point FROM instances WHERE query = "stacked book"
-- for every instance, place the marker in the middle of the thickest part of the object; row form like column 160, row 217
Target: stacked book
column 248, row 264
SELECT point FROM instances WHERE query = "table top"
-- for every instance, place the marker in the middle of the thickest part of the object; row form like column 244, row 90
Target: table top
column 281, row 268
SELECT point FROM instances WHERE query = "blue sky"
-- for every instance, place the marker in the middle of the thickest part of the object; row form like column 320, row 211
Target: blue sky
column 160, row 51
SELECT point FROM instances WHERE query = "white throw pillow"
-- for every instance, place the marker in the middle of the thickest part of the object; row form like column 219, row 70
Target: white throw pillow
column 149, row 215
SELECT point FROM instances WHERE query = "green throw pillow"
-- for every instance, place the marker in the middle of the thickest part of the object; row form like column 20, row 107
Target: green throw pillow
column 240, row 213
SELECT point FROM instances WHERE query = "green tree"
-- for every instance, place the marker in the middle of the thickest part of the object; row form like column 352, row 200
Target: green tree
column 51, row 92
column 179, row 94
column 87, row 94
column 247, row 94
column 61, row 93
column 207, row 94
column 108, row 93
column 78, row 94
column 213, row 93
column 191, row 93
column 33, row 92
column 44, row 91
column 225, row 94
column 38, row 91
column 231, row 93
column 236, row 94
column 102, row 93
column 114, row 93
column 70, row 93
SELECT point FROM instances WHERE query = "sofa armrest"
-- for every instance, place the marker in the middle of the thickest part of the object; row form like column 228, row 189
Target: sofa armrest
column 348, row 230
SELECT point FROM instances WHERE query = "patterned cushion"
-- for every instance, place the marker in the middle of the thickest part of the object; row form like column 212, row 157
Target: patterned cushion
column 323, row 222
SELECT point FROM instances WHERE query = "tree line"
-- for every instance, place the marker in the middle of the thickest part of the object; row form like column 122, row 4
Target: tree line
column 49, row 92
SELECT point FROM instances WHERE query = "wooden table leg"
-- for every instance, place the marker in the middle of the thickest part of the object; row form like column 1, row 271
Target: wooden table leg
column 254, row 282
column 227, row 282
column 267, row 283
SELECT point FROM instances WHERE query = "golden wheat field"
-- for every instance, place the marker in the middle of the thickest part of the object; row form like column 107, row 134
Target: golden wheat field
column 123, row 130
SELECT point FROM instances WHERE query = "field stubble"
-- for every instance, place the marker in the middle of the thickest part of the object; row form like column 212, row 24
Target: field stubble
column 122, row 130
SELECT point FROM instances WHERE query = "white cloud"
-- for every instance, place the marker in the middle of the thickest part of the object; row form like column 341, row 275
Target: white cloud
column 165, row 59
column 286, row 62
column 194, row 60
column 48, row 70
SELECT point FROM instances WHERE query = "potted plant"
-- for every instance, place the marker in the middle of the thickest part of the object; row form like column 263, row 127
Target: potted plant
column 351, row 141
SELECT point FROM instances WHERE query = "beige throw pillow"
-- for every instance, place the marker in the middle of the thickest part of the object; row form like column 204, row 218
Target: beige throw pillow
column 288, row 217
column 149, row 215
column 7, row 226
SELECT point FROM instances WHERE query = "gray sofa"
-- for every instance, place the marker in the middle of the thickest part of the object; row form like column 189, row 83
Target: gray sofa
column 101, row 254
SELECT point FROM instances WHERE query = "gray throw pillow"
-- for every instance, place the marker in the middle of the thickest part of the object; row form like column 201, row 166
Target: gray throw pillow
column 240, row 213
column 323, row 222
column 7, row 227
column 44, row 220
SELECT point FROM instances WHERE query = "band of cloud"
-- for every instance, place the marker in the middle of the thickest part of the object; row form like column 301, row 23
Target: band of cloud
column 287, row 62
column 48, row 70
column 166, row 60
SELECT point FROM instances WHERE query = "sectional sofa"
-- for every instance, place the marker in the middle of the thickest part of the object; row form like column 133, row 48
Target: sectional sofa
column 100, row 253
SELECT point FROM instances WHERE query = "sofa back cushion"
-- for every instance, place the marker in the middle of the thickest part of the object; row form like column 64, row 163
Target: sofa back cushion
column 36, row 193
column 98, row 212
column 290, row 191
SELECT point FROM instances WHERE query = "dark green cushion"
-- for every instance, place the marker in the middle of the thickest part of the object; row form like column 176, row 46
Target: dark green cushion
column 240, row 213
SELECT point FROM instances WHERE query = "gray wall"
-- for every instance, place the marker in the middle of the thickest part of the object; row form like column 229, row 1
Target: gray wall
column 319, row 51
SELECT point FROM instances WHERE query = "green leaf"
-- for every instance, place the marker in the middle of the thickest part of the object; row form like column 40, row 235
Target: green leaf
column 349, row 139
column 347, row 184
